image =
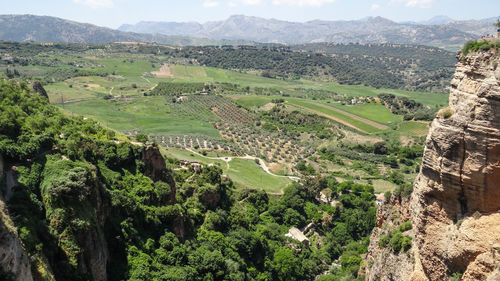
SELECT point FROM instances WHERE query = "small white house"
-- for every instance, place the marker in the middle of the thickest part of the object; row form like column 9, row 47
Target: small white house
column 296, row 234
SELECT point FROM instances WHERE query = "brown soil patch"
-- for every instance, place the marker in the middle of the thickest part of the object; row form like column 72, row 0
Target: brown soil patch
column 93, row 86
column 357, row 138
column 274, row 167
column 268, row 106
column 405, row 141
column 164, row 72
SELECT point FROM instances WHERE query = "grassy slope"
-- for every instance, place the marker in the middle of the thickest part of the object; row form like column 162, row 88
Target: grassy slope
column 413, row 128
column 336, row 114
column 252, row 101
column 374, row 112
column 244, row 173
column 146, row 114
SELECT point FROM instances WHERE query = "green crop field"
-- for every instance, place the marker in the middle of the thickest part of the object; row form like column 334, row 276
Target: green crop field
column 382, row 186
column 413, row 128
column 253, row 101
column 375, row 112
column 148, row 115
column 359, row 90
column 315, row 108
column 189, row 73
column 247, row 173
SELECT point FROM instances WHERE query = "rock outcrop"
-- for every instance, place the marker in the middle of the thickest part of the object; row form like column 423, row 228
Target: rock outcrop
column 455, row 205
column 156, row 169
column 384, row 263
column 13, row 257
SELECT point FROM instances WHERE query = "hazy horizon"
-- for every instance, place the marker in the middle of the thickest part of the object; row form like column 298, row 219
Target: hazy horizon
column 114, row 13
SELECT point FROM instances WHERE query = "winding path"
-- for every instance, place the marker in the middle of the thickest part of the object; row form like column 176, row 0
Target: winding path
column 247, row 157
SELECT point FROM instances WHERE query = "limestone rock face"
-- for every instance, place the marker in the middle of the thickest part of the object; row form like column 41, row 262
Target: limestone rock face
column 455, row 204
column 456, row 200
column 156, row 168
column 154, row 162
column 13, row 257
column 383, row 263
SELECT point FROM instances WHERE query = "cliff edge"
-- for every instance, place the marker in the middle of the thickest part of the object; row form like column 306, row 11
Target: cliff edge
column 455, row 205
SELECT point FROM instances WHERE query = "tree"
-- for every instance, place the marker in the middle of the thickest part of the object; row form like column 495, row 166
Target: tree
column 141, row 137
column 286, row 265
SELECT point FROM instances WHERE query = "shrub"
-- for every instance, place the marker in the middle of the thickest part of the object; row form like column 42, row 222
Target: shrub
column 445, row 113
column 456, row 276
column 405, row 226
column 387, row 196
column 396, row 239
column 473, row 46
column 141, row 137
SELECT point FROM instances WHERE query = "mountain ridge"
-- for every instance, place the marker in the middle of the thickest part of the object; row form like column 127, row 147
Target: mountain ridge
column 28, row 27
column 244, row 30
column 437, row 30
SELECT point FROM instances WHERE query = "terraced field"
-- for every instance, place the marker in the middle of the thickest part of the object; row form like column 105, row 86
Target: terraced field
column 340, row 116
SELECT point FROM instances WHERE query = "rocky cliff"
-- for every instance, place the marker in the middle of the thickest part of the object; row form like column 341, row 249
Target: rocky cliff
column 156, row 169
column 455, row 205
column 13, row 257
column 382, row 262
column 86, row 200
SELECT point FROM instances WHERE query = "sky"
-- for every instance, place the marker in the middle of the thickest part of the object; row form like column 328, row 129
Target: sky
column 113, row 13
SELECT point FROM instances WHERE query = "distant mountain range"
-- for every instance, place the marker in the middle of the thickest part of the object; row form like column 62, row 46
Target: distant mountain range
column 439, row 31
column 51, row 29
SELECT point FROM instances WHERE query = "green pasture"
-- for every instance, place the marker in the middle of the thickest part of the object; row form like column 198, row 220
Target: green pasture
column 372, row 111
column 244, row 173
column 413, row 128
column 146, row 114
column 253, row 101
column 313, row 107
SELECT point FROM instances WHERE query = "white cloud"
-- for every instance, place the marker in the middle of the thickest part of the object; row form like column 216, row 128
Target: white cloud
column 301, row 3
column 419, row 3
column 374, row 7
column 414, row 3
column 210, row 4
column 231, row 4
column 95, row 3
column 251, row 2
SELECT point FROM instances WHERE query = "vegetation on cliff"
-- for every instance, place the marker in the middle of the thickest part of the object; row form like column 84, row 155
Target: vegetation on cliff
column 479, row 45
column 84, row 207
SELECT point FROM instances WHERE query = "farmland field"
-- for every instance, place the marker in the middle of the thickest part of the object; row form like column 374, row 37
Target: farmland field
column 148, row 115
column 374, row 112
column 238, row 112
column 413, row 128
column 361, row 124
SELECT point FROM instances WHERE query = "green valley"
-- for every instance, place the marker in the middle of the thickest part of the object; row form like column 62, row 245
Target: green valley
column 202, row 163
